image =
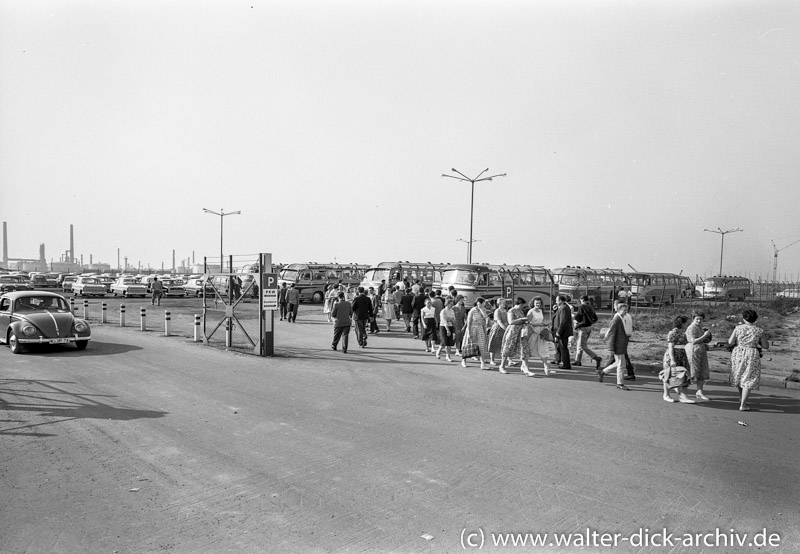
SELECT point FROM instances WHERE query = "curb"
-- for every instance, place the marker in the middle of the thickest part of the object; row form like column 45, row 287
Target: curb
column 723, row 377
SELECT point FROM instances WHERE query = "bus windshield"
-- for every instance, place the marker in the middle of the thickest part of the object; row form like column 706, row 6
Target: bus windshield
column 289, row 274
column 377, row 275
column 566, row 279
column 459, row 277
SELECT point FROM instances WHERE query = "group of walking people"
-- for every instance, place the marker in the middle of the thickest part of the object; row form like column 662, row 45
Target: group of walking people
column 500, row 335
column 686, row 358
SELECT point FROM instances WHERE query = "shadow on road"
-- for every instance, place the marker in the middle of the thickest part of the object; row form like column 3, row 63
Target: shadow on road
column 52, row 399
column 95, row 348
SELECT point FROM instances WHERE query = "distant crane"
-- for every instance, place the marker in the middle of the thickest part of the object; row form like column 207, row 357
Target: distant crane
column 633, row 268
column 775, row 262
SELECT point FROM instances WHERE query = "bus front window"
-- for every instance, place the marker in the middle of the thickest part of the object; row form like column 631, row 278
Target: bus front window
column 459, row 277
column 289, row 275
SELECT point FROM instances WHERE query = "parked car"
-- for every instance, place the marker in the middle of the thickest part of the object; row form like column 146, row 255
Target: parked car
column 128, row 286
column 36, row 317
column 13, row 282
column 88, row 286
column 66, row 282
column 173, row 287
column 789, row 293
column 194, row 286
column 106, row 281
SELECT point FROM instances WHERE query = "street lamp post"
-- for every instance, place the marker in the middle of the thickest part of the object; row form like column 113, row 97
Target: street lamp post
column 221, row 215
column 469, row 247
column 472, row 198
column 722, row 233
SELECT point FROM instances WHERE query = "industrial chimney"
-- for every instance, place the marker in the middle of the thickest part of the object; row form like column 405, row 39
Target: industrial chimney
column 71, row 245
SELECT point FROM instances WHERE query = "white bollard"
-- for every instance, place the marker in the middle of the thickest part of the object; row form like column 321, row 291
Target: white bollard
column 103, row 316
column 72, row 304
column 85, row 309
column 167, row 318
column 196, row 327
column 122, row 315
column 143, row 318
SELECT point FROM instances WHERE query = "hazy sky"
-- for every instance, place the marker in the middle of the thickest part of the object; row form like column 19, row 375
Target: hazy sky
column 625, row 128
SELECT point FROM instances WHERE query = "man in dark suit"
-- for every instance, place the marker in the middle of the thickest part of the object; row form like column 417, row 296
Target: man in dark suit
column 562, row 330
column 341, row 312
column 362, row 312
column 282, row 300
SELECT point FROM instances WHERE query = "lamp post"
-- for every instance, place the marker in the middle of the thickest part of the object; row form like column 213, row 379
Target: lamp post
column 722, row 233
column 469, row 247
column 472, row 182
column 221, row 215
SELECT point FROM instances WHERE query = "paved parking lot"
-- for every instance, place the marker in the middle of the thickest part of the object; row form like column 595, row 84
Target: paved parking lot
column 145, row 443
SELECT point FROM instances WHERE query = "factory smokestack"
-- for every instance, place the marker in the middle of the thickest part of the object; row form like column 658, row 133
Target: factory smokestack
column 41, row 253
column 71, row 245
column 5, row 243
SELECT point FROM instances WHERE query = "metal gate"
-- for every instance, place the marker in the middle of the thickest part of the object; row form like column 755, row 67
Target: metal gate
column 232, row 315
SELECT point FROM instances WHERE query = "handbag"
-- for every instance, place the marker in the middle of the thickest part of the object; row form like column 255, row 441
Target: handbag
column 545, row 334
column 527, row 331
column 470, row 351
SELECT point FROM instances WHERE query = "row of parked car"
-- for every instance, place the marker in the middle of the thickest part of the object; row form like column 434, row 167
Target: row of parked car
column 126, row 285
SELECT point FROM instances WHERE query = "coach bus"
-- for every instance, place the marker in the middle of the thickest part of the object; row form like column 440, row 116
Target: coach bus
column 726, row 288
column 499, row 281
column 311, row 279
column 600, row 285
column 394, row 272
column 654, row 289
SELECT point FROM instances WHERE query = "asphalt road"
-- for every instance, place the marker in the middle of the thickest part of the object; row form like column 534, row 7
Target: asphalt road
column 145, row 443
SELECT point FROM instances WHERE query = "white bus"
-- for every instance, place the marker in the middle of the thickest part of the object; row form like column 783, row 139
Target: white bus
column 499, row 281
column 726, row 288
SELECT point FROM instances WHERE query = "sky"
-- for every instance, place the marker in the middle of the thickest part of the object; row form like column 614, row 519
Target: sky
column 623, row 128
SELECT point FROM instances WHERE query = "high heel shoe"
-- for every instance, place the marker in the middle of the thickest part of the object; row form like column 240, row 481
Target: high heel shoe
column 449, row 359
column 463, row 363
column 528, row 373
column 501, row 370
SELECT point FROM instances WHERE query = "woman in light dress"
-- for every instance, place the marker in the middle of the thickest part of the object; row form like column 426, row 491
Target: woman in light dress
column 475, row 331
column 495, row 340
column 747, row 341
column 388, row 307
column 675, row 364
column 331, row 295
column 696, row 351
column 539, row 347
column 513, row 342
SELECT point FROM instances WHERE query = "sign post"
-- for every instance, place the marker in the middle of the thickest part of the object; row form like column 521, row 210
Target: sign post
column 269, row 303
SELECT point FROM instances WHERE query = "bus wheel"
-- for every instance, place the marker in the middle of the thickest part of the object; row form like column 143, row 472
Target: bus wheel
column 317, row 297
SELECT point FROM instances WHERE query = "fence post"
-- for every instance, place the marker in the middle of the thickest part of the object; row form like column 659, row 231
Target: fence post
column 103, row 316
column 228, row 332
column 122, row 315
column 196, row 327
column 167, row 318
column 143, row 318
column 85, row 308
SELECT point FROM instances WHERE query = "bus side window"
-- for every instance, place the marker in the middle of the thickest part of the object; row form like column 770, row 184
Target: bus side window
column 305, row 276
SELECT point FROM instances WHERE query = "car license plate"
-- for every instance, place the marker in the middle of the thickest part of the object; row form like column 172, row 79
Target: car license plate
column 59, row 341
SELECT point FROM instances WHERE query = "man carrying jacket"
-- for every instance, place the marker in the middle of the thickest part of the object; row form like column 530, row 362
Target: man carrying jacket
column 585, row 317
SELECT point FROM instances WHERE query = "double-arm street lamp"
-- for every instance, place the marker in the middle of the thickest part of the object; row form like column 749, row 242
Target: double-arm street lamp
column 469, row 246
column 221, row 215
column 477, row 179
column 722, row 233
